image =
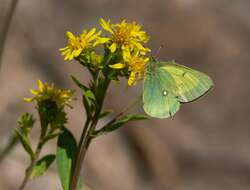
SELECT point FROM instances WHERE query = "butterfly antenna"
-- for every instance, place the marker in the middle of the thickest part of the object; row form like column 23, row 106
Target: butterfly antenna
column 154, row 57
column 158, row 51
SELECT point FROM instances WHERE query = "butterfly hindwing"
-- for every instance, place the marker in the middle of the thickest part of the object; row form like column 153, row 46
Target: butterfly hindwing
column 191, row 84
column 159, row 93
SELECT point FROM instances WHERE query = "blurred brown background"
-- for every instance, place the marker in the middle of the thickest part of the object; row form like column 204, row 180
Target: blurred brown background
column 206, row 146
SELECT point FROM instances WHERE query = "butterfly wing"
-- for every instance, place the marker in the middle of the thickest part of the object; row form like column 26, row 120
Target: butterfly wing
column 159, row 93
column 191, row 84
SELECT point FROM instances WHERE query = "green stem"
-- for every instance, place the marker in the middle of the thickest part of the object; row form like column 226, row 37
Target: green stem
column 27, row 175
column 38, row 150
column 32, row 164
column 86, row 138
column 77, row 164
column 82, row 149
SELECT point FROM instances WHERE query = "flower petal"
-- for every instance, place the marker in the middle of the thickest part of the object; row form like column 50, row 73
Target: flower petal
column 28, row 99
column 77, row 53
column 101, row 40
column 40, row 85
column 117, row 66
column 126, row 54
column 131, row 79
column 35, row 92
column 113, row 47
column 90, row 33
column 70, row 35
column 106, row 25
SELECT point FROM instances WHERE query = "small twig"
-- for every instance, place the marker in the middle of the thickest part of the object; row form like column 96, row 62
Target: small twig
column 122, row 112
column 9, row 147
column 32, row 164
column 36, row 155
column 6, row 27
column 27, row 175
column 133, row 104
column 117, row 117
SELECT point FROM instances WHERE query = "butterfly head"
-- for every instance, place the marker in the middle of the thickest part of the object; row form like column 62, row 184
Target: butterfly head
column 154, row 58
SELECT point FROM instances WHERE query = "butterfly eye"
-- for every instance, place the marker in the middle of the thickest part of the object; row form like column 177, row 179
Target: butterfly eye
column 164, row 92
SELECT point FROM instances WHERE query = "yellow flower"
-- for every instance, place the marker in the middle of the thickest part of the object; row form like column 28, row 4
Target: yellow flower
column 46, row 91
column 76, row 44
column 136, row 65
column 125, row 36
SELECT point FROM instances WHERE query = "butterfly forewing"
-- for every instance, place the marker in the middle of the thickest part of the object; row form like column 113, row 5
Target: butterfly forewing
column 191, row 84
column 158, row 93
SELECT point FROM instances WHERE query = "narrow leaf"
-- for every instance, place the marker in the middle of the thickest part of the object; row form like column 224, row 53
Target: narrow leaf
column 88, row 97
column 25, row 142
column 50, row 137
column 87, row 92
column 42, row 165
column 87, row 105
column 79, row 185
column 105, row 113
column 111, row 126
column 90, row 94
column 66, row 152
column 79, row 84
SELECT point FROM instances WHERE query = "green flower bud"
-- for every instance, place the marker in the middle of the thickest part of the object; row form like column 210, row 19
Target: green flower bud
column 26, row 122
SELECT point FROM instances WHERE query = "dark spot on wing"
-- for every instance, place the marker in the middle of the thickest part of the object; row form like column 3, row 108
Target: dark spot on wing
column 184, row 73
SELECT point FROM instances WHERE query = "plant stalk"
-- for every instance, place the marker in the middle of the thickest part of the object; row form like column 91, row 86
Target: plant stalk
column 35, row 156
column 6, row 27
column 82, row 149
column 31, row 166
column 9, row 147
column 27, row 174
column 85, row 140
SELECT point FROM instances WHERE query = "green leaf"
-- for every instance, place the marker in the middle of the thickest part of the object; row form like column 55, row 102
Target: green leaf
column 90, row 94
column 65, row 156
column 25, row 142
column 117, row 123
column 79, row 84
column 42, row 165
column 87, row 92
column 88, row 106
column 50, row 137
column 88, row 97
column 79, row 185
column 105, row 113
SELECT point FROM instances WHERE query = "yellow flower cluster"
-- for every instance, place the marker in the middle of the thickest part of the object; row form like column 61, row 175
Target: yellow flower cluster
column 136, row 66
column 77, row 44
column 129, row 39
column 125, row 38
column 46, row 91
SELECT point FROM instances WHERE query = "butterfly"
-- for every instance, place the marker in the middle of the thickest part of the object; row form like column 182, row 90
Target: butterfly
column 167, row 85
